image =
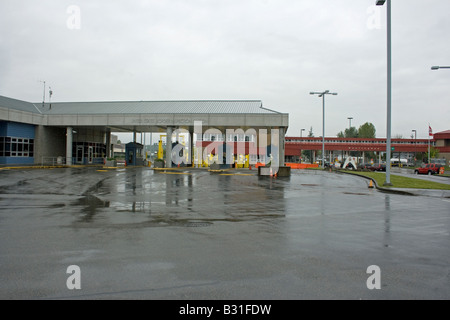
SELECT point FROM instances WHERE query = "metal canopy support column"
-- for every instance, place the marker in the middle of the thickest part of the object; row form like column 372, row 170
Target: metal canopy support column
column 108, row 143
column 69, row 142
column 281, row 147
column 169, row 132
column 191, row 146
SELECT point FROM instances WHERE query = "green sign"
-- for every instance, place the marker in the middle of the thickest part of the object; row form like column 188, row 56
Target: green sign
column 392, row 148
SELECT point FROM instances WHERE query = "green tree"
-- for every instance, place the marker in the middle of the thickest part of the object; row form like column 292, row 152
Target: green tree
column 348, row 133
column 351, row 132
column 367, row 130
column 434, row 153
column 308, row 153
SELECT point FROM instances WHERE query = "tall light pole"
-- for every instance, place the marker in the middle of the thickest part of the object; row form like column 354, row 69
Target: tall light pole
column 389, row 92
column 322, row 95
column 415, row 144
column 349, row 122
column 301, row 132
column 439, row 67
column 301, row 135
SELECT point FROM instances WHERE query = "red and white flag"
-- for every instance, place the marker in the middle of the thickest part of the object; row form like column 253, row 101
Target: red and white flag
column 430, row 132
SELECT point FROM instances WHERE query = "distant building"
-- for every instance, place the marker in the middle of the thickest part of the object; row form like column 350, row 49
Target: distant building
column 342, row 147
column 443, row 145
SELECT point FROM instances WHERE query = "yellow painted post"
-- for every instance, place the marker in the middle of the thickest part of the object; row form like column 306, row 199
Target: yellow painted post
column 160, row 150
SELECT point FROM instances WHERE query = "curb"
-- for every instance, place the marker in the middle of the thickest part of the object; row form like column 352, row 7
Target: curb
column 385, row 190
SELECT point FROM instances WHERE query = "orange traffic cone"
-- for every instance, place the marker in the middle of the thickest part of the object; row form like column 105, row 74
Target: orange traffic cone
column 371, row 184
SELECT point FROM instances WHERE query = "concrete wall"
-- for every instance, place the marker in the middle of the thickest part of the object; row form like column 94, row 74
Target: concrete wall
column 21, row 116
column 49, row 142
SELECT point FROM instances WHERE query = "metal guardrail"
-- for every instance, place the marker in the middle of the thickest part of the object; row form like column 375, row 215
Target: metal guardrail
column 61, row 161
column 53, row 161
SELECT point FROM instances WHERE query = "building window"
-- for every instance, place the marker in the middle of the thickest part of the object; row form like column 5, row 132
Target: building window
column 91, row 151
column 16, row 147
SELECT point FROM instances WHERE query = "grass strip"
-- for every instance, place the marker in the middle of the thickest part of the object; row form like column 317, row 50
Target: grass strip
column 403, row 182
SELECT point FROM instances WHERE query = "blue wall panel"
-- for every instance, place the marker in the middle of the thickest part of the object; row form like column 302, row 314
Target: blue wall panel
column 16, row 160
column 16, row 130
column 3, row 128
column 20, row 130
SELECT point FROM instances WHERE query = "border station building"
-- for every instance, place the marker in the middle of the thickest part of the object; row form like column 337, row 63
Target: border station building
column 80, row 132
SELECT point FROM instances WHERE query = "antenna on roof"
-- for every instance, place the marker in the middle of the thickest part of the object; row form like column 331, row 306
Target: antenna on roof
column 43, row 99
column 50, row 92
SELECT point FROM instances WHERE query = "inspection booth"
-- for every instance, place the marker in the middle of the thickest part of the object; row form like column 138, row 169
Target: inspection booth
column 133, row 153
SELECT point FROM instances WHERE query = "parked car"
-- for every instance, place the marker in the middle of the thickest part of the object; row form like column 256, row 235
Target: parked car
column 429, row 168
column 367, row 166
column 378, row 167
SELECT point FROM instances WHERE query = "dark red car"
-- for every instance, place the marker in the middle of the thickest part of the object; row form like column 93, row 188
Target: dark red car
column 429, row 168
column 378, row 167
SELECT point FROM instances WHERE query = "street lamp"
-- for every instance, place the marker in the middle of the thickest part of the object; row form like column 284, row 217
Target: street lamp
column 415, row 144
column 439, row 67
column 389, row 92
column 301, row 132
column 322, row 95
column 349, row 122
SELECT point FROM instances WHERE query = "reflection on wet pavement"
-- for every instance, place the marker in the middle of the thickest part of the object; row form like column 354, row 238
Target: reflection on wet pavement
column 193, row 199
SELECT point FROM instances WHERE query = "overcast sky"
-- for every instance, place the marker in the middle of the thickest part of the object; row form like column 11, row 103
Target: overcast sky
column 274, row 51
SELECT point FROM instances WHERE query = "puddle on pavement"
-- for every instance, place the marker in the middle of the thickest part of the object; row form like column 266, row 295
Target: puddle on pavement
column 91, row 205
column 95, row 212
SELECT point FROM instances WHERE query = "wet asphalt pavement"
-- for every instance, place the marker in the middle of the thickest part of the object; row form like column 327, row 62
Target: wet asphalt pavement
column 140, row 234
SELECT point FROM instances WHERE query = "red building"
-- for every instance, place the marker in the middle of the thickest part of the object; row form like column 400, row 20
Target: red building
column 443, row 144
column 339, row 147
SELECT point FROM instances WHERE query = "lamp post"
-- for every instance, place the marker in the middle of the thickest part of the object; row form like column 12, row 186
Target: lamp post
column 415, row 144
column 322, row 95
column 349, row 123
column 301, row 135
column 439, row 67
column 389, row 92
column 301, row 132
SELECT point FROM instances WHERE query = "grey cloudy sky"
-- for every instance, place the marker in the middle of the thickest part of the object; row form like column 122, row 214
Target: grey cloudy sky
column 275, row 51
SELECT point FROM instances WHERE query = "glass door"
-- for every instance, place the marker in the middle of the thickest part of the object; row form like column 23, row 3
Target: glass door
column 80, row 154
column 90, row 155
